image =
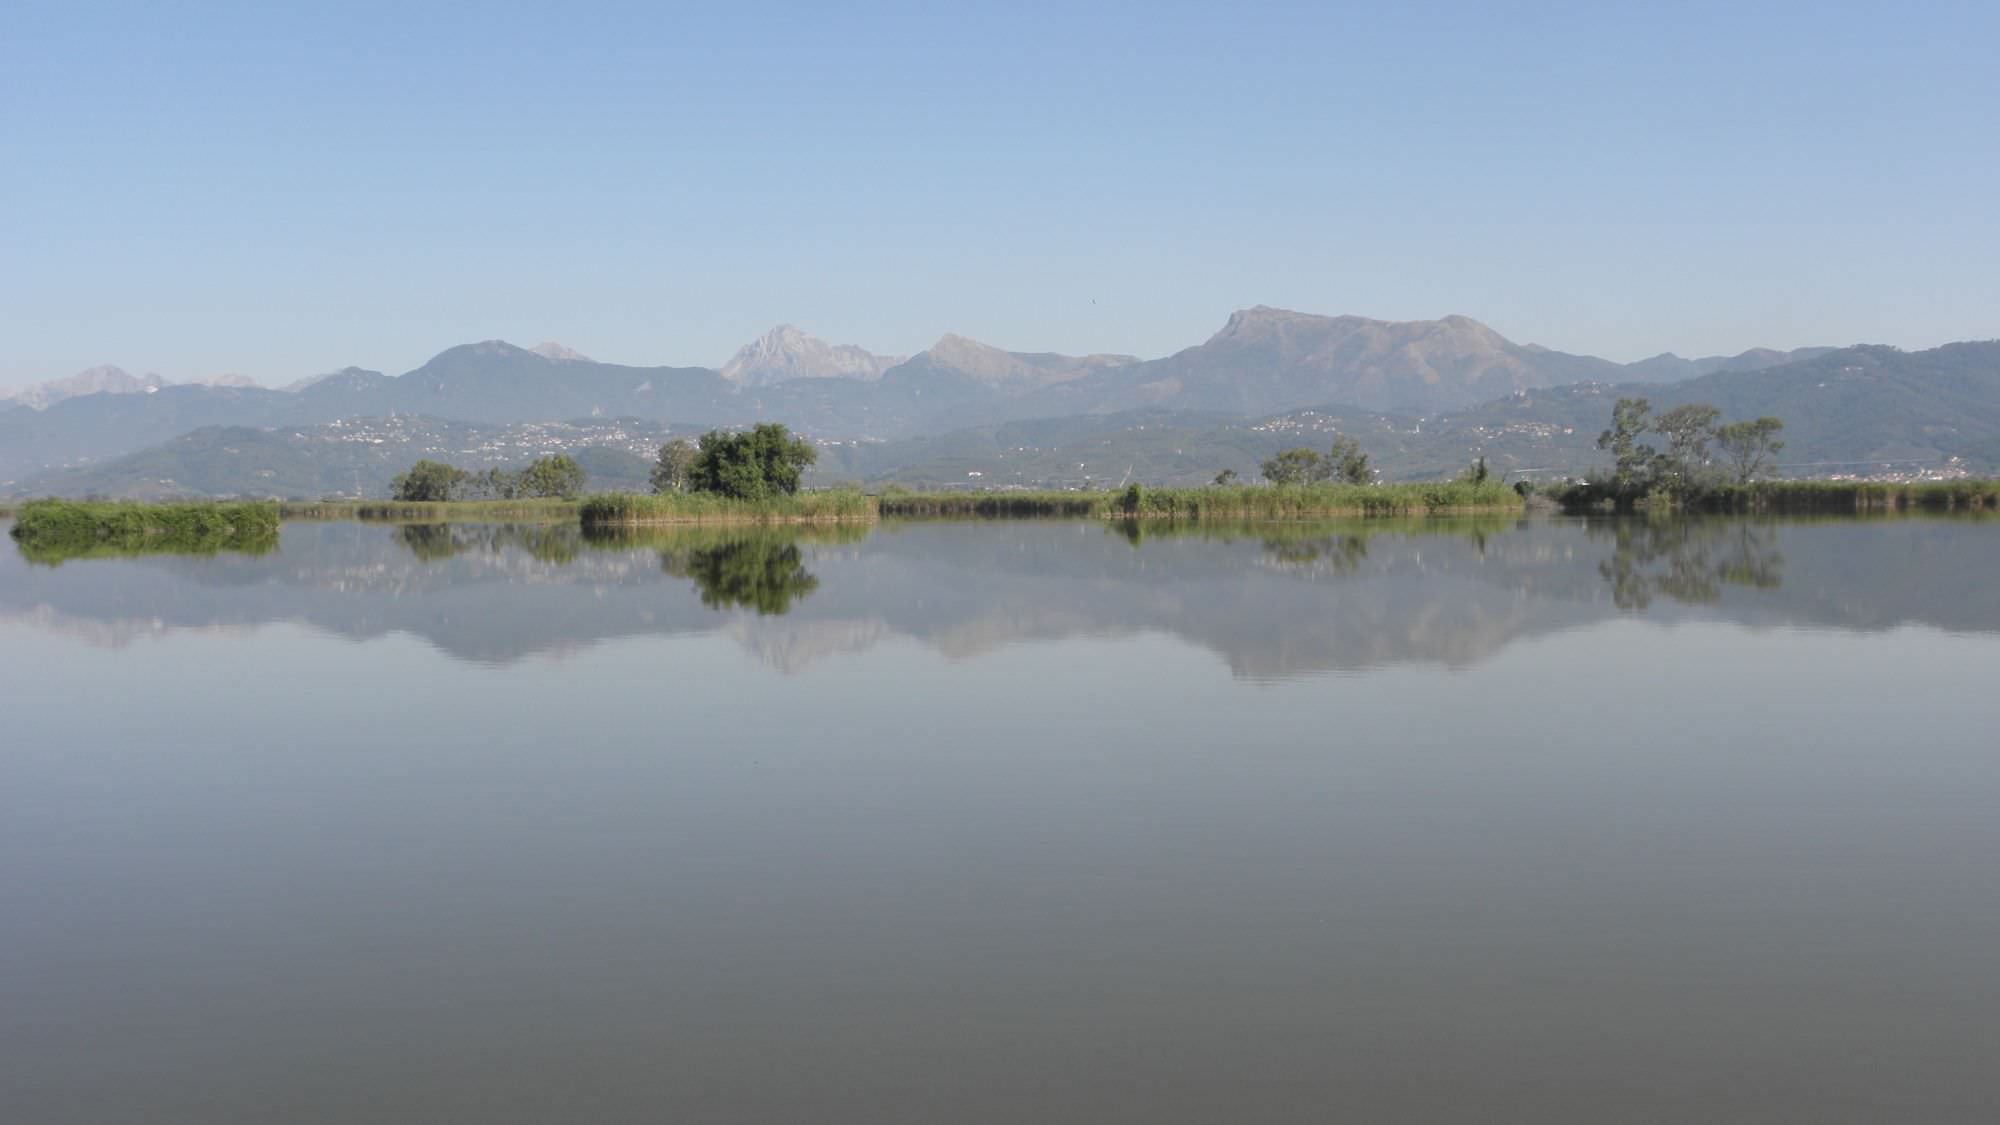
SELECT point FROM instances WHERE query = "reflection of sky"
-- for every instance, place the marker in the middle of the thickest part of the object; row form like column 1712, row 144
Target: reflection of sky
column 291, row 871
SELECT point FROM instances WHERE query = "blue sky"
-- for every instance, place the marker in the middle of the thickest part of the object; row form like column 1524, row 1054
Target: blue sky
column 278, row 191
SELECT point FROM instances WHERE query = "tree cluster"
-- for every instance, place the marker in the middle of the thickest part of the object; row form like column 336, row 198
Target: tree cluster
column 1701, row 452
column 1344, row 462
column 756, row 464
column 427, row 481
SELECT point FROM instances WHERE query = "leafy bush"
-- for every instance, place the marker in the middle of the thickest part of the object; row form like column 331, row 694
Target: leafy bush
column 754, row 464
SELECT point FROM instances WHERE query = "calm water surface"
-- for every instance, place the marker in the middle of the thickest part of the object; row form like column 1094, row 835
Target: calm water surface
column 1005, row 822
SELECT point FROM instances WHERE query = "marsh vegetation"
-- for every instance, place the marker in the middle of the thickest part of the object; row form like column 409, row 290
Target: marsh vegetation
column 440, row 511
column 1226, row 501
column 54, row 531
column 625, row 508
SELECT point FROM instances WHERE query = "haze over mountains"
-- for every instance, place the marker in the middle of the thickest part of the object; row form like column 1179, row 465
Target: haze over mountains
column 1262, row 365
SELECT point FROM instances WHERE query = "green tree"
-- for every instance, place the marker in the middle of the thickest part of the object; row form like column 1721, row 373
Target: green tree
column 1347, row 464
column 1294, row 466
column 495, row 483
column 670, row 470
column 1688, row 430
column 557, row 475
column 1478, row 473
column 1633, row 461
column 1750, row 449
column 428, row 481
column 1225, row 477
column 753, row 464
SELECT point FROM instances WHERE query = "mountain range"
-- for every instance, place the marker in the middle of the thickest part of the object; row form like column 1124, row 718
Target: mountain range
column 1430, row 394
column 101, row 380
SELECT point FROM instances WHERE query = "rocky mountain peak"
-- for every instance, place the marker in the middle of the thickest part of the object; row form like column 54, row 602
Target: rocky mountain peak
column 103, row 379
column 790, row 352
column 549, row 349
column 228, row 379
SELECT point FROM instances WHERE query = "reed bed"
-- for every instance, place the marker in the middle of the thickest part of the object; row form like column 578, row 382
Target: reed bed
column 1253, row 502
column 1802, row 497
column 991, row 505
column 632, row 509
column 52, row 531
column 445, row 511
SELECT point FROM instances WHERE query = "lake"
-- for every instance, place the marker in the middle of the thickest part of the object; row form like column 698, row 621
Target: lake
column 1482, row 821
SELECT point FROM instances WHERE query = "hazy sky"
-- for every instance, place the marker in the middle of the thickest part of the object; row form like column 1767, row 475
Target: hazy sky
column 250, row 188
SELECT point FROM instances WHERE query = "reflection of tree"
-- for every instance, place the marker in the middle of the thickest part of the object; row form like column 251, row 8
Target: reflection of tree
column 1342, row 554
column 435, row 542
column 1689, row 561
column 760, row 572
column 430, row 542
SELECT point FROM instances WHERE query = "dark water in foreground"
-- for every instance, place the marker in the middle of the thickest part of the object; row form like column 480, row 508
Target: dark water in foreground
column 1474, row 822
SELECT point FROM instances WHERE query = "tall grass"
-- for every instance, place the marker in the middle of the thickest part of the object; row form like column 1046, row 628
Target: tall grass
column 52, row 531
column 1261, row 502
column 990, row 505
column 625, row 508
column 1819, row 497
column 446, row 511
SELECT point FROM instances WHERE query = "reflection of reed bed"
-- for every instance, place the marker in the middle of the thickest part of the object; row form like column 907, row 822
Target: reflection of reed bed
column 435, row 542
column 1271, row 532
column 1855, row 496
column 629, row 509
column 678, row 537
column 1256, row 502
column 54, row 531
column 431, row 511
column 758, row 567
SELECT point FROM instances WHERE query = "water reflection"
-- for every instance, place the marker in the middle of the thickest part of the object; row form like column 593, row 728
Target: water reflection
column 1271, row 600
column 435, row 542
column 1689, row 561
column 200, row 543
column 763, row 574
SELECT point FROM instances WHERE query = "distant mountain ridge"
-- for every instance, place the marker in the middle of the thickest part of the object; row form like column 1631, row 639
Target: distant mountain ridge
column 983, row 363
column 1668, row 367
column 1263, row 361
column 1855, row 410
column 101, row 380
column 353, row 458
column 1266, row 359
